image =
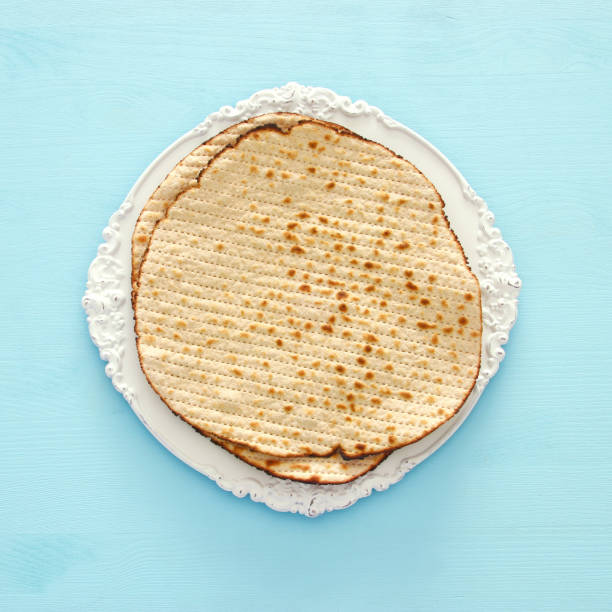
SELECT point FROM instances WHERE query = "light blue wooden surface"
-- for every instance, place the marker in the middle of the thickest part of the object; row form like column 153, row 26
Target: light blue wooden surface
column 513, row 514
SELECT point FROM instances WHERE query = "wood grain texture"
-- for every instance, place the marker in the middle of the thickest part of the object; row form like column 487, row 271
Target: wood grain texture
column 512, row 514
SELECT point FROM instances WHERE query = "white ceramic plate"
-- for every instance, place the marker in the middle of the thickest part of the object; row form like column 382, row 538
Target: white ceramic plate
column 110, row 316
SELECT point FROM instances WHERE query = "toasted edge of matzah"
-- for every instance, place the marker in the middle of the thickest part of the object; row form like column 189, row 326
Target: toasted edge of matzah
column 315, row 470
column 425, row 432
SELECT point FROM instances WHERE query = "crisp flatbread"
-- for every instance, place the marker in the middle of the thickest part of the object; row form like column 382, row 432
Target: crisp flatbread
column 324, row 470
column 307, row 296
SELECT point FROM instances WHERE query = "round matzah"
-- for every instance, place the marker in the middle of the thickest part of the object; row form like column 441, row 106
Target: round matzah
column 308, row 296
column 324, row 470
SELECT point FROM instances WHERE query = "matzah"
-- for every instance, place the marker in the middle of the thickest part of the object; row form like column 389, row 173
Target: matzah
column 324, row 470
column 307, row 296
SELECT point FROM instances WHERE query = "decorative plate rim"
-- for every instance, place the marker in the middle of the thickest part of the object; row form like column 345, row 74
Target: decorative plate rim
column 110, row 319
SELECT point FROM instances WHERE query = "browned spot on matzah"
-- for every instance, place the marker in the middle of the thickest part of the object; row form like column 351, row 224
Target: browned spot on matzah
column 425, row 325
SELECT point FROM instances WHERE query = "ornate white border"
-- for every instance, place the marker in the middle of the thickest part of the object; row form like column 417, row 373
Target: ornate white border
column 109, row 314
